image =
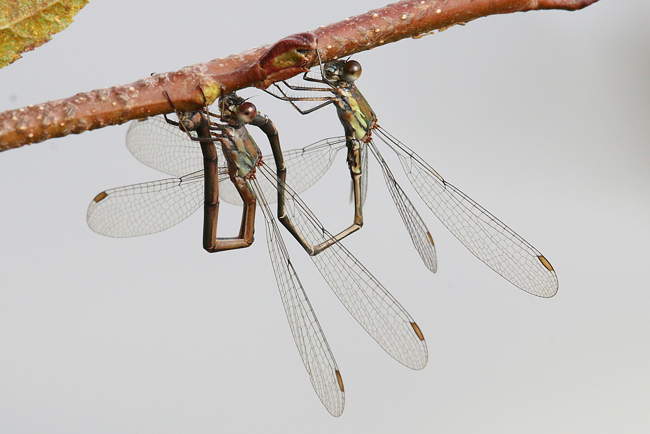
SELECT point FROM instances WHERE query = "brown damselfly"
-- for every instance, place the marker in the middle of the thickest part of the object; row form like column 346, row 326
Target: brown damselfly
column 155, row 206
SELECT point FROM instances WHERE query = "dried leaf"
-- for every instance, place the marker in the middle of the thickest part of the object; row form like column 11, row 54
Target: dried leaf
column 26, row 24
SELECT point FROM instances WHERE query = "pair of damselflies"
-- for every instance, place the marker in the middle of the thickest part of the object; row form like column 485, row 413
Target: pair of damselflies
column 200, row 171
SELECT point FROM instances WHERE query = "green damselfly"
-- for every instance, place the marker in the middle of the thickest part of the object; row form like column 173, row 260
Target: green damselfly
column 490, row 240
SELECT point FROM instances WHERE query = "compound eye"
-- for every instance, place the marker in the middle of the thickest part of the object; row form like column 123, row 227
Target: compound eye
column 246, row 112
column 351, row 71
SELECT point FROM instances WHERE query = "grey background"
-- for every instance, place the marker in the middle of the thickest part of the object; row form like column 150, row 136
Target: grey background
column 543, row 118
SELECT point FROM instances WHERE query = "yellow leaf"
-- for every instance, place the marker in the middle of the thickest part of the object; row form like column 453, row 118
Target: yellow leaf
column 26, row 24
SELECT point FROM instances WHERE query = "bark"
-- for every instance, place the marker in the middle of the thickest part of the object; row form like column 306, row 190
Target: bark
column 193, row 86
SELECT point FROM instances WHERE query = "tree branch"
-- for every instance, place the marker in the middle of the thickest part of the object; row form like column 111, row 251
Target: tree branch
column 191, row 86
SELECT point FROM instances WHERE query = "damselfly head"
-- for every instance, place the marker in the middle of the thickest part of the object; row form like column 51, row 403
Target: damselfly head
column 246, row 112
column 332, row 70
column 229, row 106
column 341, row 70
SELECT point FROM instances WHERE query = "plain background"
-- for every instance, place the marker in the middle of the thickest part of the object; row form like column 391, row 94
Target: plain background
column 542, row 117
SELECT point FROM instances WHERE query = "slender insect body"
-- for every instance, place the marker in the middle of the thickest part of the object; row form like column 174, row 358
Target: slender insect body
column 483, row 234
column 355, row 113
column 241, row 152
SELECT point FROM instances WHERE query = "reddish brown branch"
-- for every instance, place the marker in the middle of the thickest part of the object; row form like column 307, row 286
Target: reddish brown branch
column 257, row 67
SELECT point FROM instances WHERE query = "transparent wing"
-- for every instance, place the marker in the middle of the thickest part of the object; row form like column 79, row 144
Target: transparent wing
column 304, row 167
column 360, row 292
column 498, row 246
column 420, row 235
column 145, row 208
column 165, row 147
column 307, row 333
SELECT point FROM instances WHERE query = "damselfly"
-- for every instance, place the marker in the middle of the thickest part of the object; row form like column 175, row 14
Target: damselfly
column 490, row 240
column 154, row 206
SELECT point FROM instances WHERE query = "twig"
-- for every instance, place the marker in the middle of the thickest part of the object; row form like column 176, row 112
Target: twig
column 256, row 67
